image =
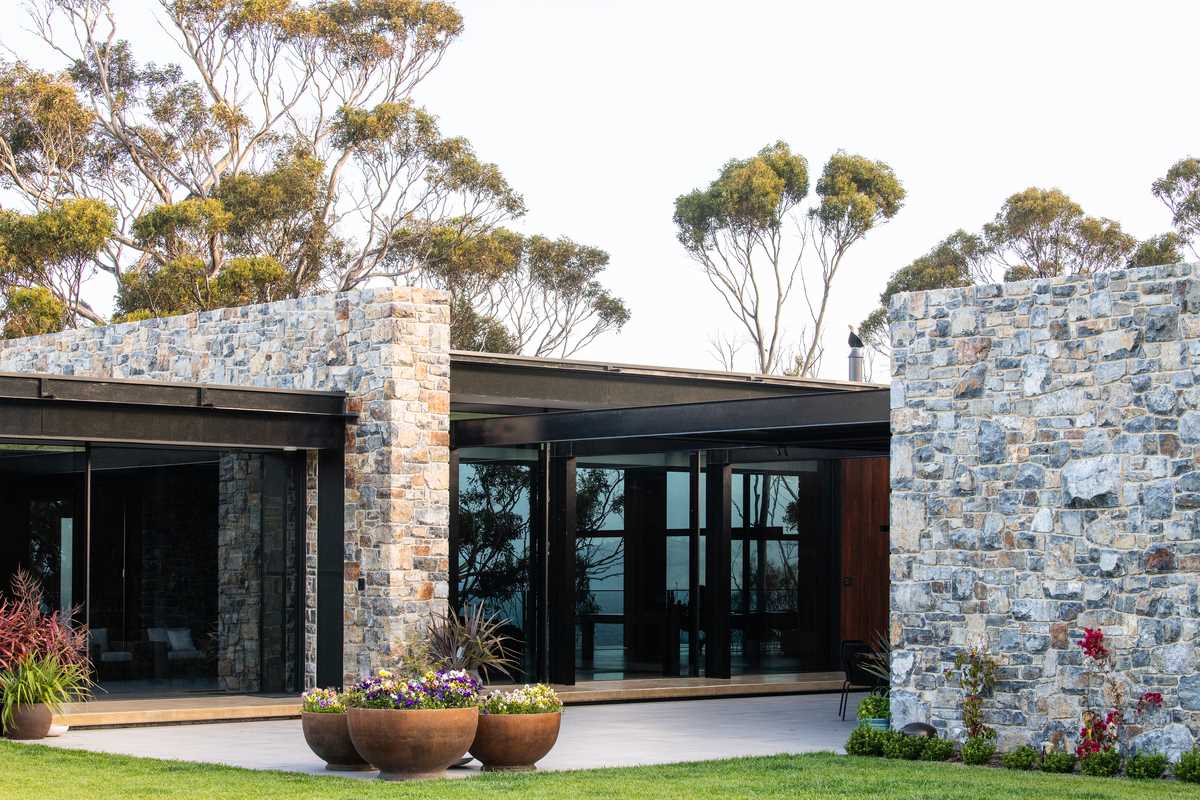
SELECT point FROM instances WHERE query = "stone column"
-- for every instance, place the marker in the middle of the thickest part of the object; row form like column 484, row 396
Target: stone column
column 310, row 570
column 239, row 573
column 396, row 354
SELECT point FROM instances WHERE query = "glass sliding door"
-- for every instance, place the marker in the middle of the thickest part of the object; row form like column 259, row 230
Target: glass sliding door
column 187, row 567
column 781, row 559
column 634, row 554
column 600, row 588
column 41, row 503
column 493, row 552
column 195, row 570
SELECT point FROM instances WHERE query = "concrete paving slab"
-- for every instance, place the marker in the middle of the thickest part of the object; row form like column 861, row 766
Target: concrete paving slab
column 618, row 735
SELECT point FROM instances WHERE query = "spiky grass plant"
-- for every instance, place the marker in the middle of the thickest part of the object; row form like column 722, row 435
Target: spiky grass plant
column 41, row 679
column 473, row 642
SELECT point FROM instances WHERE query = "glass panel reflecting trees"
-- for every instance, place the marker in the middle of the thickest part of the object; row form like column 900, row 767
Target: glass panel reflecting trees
column 494, row 544
column 637, row 613
column 600, row 548
column 781, row 559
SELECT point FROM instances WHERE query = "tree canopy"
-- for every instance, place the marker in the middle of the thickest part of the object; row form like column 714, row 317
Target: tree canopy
column 1179, row 191
column 744, row 232
column 284, row 153
column 1037, row 233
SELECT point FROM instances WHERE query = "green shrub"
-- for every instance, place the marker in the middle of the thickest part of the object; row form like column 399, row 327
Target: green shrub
column 1058, row 761
column 1146, row 765
column 907, row 747
column 978, row 750
column 936, row 749
column 1188, row 768
column 865, row 741
column 874, row 706
column 1024, row 757
column 1101, row 764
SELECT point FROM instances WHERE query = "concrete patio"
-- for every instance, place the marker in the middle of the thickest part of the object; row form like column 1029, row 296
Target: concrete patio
column 592, row 736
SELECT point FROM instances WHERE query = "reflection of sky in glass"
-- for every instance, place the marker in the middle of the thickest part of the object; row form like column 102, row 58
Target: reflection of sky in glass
column 678, row 495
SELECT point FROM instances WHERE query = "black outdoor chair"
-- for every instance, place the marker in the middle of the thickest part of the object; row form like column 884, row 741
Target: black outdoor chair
column 854, row 655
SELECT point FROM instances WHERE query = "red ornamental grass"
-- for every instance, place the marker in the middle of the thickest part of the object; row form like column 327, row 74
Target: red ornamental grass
column 26, row 630
column 1093, row 644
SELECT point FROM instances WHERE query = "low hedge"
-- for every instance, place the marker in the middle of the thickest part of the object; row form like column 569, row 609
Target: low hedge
column 867, row 741
column 937, row 749
column 897, row 745
column 1058, row 761
column 978, row 750
column 1188, row 768
column 1146, row 766
column 1024, row 757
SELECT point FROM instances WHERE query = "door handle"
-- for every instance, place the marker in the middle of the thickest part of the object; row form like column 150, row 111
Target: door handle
column 847, row 580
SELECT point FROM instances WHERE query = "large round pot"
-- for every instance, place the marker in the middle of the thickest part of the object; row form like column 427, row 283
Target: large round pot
column 328, row 735
column 412, row 744
column 514, row 742
column 30, row 722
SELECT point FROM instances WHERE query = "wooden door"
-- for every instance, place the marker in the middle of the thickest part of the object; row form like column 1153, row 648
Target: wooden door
column 864, row 486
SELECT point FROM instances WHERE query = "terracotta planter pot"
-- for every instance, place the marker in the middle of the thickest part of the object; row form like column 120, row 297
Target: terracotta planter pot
column 30, row 722
column 328, row 735
column 412, row 744
column 514, row 742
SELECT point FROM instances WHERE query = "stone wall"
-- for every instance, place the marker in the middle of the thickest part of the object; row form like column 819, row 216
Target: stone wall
column 239, row 571
column 1045, row 478
column 388, row 348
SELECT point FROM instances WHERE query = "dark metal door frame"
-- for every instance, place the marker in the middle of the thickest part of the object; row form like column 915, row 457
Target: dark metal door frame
column 717, row 583
column 560, row 564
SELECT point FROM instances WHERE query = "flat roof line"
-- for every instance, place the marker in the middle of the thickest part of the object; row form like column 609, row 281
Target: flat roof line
column 179, row 384
column 646, row 370
column 803, row 412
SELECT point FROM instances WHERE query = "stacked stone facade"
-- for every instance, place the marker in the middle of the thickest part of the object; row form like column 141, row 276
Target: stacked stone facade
column 239, row 571
column 1045, row 472
column 389, row 350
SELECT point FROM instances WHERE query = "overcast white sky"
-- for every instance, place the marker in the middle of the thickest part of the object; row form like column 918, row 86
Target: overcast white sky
column 601, row 113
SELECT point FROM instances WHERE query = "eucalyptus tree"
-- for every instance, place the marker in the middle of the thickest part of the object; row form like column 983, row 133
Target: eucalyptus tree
column 1179, row 191
column 1037, row 233
column 45, row 259
column 278, row 150
column 749, row 234
column 526, row 294
column 288, row 130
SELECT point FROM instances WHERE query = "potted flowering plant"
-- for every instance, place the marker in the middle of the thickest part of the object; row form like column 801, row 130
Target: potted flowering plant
column 327, row 731
column 413, row 728
column 517, row 728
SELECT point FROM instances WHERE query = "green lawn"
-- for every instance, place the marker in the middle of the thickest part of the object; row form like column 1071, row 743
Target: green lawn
column 46, row 773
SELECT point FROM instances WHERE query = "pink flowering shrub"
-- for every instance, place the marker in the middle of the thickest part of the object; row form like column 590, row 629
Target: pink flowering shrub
column 1104, row 732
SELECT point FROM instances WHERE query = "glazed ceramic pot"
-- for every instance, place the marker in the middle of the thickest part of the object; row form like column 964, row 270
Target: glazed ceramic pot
column 514, row 742
column 412, row 744
column 328, row 735
column 30, row 722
